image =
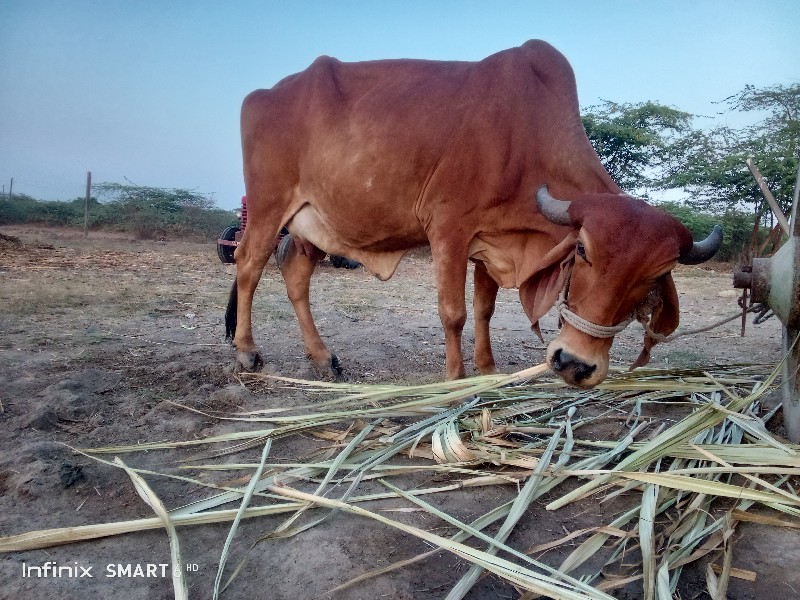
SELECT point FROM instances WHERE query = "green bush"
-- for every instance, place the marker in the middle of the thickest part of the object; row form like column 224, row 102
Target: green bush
column 148, row 213
column 16, row 209
column 24, row 209
column 160, row 212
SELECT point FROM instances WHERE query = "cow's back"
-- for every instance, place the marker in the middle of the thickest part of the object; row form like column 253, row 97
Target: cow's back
column 421, row 98
column 397, row 139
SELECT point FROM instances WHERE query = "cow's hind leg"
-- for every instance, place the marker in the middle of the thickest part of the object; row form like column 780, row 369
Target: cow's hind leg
column 483, row 303
column 297, row 263
column 251, row 257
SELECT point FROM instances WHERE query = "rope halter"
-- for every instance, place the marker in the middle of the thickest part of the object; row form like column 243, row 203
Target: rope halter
column 592, row 329
column 641, row 313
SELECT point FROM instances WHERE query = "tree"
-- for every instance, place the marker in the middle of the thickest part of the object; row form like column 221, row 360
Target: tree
column 163, row 200
column 713, row 168
column 737, row 225
column 153, row 212
column 636, row 142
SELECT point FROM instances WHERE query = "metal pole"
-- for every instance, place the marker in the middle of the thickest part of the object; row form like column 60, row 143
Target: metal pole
column 86, row 204
column 11, row 188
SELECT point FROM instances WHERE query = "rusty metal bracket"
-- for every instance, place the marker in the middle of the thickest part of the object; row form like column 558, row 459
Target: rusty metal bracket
column 763, row 313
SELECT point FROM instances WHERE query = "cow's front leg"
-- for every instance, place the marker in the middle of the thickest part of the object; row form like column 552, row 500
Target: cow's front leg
column 451, row 277
column 483, row 304
column 297, row 262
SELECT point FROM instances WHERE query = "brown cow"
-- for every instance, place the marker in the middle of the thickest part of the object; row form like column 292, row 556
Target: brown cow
column 371, row 159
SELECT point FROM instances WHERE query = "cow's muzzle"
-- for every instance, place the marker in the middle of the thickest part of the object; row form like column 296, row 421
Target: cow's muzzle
column 571, row 368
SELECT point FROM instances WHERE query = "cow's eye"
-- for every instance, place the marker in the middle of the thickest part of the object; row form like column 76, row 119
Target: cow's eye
column 581, row 250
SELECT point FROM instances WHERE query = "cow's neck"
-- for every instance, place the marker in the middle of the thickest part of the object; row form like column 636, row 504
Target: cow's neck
column 510, row 257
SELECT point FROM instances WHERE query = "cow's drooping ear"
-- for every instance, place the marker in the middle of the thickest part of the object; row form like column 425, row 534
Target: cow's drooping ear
column 538, row 293
column 665, row 317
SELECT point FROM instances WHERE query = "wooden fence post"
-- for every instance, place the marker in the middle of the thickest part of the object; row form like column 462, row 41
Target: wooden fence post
column 86, row 205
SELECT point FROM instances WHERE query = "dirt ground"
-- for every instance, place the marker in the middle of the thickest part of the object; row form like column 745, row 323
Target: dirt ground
column 98, row 335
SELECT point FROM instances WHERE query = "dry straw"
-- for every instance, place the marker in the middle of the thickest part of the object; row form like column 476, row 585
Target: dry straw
column 688, row 484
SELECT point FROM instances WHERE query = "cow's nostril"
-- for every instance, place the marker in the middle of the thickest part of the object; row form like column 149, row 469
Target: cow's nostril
column 556, row 360
column 583, row 371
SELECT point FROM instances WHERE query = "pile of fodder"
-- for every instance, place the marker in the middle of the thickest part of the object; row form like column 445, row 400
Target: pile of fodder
column 690, row 479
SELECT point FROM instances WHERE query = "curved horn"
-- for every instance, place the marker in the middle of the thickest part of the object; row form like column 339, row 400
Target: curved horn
column 703, row 251
column 553, row 210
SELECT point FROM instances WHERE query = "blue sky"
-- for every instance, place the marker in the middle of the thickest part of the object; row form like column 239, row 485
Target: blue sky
column 150, row 91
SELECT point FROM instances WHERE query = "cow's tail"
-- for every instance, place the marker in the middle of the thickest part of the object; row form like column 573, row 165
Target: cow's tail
column 230, row 312
column 283, row 249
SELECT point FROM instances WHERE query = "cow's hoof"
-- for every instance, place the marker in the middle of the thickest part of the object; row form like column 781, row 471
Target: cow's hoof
column 336, row 367
column 330, row 367
column 487, row 369
column 249, row 361
column 456, row 375
column 455, row 371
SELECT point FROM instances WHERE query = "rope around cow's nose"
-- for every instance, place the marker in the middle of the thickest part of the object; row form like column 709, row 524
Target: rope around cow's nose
column 592, row 329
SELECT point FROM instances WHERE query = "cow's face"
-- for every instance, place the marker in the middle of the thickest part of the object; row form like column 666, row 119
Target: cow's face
column 621, row 250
